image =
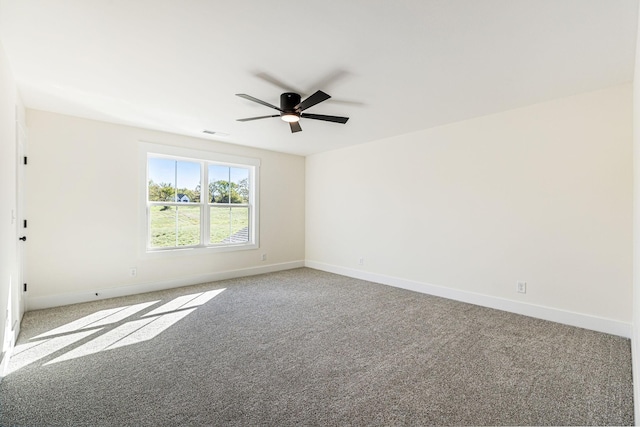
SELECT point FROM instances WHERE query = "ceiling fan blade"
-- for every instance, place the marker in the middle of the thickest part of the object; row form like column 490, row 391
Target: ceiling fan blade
column 295, row 127
column 335, row 119
column 251, row 98
column 314, row 99
column 257, row 118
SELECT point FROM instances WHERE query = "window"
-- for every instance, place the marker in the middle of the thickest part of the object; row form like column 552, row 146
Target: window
column 181, row 213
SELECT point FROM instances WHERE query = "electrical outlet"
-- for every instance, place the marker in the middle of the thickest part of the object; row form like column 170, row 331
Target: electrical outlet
column 361, row 261
column 521, row 287
column 264, row 257
column 133, row 272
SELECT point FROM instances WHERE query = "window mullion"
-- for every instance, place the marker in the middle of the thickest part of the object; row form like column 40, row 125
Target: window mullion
column 204, row 202
column 175, row 199
column 229, row 202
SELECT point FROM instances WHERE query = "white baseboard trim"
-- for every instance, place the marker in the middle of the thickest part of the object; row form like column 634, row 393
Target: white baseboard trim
column 48, row 301
column 635, row 370
column 599, row 324
column 4, row 363
column 4, row 358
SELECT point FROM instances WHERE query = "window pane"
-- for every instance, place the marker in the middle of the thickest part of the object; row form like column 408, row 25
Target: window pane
column 239, row 178
column 173, row 226
column 229, row 224
column 161, row 179
column 219, row 184
column 188, row 184
column 173, row 180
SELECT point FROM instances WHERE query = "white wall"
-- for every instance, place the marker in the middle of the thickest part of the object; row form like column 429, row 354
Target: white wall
column 541, row 194
column 9, row 300
column 84, row 203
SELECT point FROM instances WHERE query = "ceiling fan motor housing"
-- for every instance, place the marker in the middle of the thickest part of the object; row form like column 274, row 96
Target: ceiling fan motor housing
column 288, row 102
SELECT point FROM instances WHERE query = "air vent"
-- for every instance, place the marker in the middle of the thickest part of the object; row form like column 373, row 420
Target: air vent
column 213, row 132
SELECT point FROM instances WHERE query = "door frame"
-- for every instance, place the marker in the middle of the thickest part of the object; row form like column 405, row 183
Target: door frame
column 21, row 230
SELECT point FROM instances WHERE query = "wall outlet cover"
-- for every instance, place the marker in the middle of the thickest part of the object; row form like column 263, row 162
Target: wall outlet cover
column 522, row 287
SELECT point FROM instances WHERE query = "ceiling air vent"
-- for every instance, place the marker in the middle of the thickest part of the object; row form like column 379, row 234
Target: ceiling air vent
column 213, row 132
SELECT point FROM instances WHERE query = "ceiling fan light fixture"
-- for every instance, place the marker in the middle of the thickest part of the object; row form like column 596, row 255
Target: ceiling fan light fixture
column 290, row 118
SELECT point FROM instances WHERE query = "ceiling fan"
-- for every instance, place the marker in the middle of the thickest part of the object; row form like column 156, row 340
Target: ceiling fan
column 291, row 109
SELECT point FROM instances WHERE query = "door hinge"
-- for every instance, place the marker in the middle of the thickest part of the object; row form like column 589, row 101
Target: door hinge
column 25, row 287
column 25, row 160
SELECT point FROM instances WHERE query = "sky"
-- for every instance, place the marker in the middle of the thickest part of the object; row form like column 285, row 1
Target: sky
column 162, row 170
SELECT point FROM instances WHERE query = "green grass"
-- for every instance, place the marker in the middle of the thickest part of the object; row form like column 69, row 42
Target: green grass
column 180, row 226
column 227, row 221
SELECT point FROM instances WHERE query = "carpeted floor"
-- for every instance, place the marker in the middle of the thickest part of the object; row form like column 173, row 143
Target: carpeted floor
column 306, row 347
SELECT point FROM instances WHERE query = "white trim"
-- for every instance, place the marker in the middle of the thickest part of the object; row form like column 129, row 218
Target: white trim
column 586, row 321
column 4, row 363
column 635, row 364
column 48, row 301
column 202, row 156
column 197, row 153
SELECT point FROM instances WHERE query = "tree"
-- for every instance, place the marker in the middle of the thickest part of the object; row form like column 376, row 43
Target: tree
column 165, row 192
column 224, row 192
column 162, row 192
column 243, row 190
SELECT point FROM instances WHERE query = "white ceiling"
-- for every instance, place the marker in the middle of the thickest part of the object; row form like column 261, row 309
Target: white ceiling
column 393, row 67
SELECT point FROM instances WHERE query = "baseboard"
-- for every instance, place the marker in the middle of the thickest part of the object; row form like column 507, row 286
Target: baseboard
column 599, row 324
column 4, row 360
column 6, row 356
column 48, row 301
column 635, row 369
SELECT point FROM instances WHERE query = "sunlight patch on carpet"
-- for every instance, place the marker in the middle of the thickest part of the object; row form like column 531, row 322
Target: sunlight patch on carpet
column 112, row 328
column 99, row 318
column 129, row 333
column 28, row 353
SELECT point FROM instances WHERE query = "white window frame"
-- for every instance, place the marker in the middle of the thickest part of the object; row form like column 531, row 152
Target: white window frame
column 205, row 158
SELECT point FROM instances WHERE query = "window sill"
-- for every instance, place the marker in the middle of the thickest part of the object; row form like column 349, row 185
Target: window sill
column 196, row 250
